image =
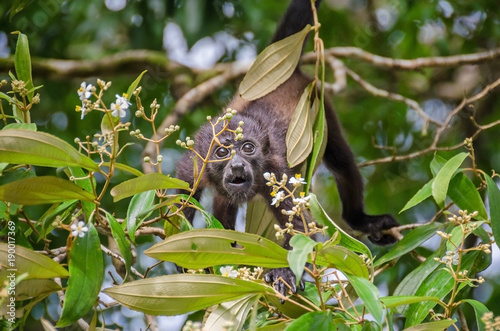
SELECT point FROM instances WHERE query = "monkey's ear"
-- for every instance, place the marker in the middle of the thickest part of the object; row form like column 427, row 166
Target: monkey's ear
column 274, row 66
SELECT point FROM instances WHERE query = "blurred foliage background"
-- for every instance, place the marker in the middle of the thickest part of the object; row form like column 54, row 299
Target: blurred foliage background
column 199, row 33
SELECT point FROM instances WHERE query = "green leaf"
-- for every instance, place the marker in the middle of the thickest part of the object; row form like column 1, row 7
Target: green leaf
column 40, row 190
column 22, row 62
column 134, row 85
column 86, row 183
column 86, row 270
column 273, row 66
column 412, row 240
column 23, row 126
column 369, row 294
column 182, row 293
column 465, row 195
column 299, row 137
column 401, row 300
column 33, row 288
column 479, row 309
column 138, row 204
column 443, row 177
column 320, row 132
column 421, row 195
column 153, row 181
column 346, row 241
column 260, row 219
column 436, row 164
column 432, row 326
column 297, row 257
column 42, row 149
column 494, row 206
column 122, row 242
column 125, row 168
column 34, row 264
column 208, row 247
column 313, row 321
column 234, row 312
column 343, row 259
column 108, row 123
column 212, row 222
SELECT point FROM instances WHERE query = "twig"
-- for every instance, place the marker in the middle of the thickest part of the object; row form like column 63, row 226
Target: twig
column 121, row 259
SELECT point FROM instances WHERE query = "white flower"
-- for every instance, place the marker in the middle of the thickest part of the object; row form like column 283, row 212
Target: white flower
column 79, row 229
column 297, row 180
column 278, row 197
column 267, row 176
column 120, row 106
column 228, row 271
column 451, row 257
column 302, row 201
column 84, row 92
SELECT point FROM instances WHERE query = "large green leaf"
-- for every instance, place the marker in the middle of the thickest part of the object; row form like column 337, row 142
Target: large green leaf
column 234, row 312
column 34, row 264
column 299, row 137
column 273, row 66
column 122, row 242
column 479, row 309
column 421, row 195
column 208, row 247
column 465, row 195
column 260, row 219
column 148, row 182
column 432, row 326
column 443, row 177
column 22, row 63
column 138, row 204
column 298, row 256
column 19, row 146
column 494, row 205
column 412, row 240
column 313, row 321
column 369, row 294
column 182, row 293
column 86, row 273
column 343, row 259
column 41, row 190
column 401, row 300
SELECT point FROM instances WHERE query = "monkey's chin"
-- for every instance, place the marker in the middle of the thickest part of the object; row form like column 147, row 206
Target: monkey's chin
column 239, row 192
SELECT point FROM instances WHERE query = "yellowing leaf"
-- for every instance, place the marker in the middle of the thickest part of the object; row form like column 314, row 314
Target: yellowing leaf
column 273, row 66
column 40, row 190
column 19, row 146
column 299, row 137
column 27, row 261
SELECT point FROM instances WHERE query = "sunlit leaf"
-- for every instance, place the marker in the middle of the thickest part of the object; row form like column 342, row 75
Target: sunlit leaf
column 369, row 294
column 22, row 62
column 39, row 148
column 208, row 247
column 86, row 270
column 421, row 195
column 400, row 300
column 410, row 241
column 443, row 177
column 41, row 190
column 122, row 242
column 342, row 259
column 432, row 326
column 182, row 293
column 27, row 261
column 465, row 195
column 273, row 66
column 494, row 206
column 148, row 182
column 297, row 257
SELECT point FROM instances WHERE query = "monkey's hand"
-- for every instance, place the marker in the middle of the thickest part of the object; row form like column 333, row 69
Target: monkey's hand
column 283, row 279
column 373, row 225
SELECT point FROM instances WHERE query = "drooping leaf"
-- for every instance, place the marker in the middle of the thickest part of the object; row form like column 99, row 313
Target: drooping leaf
column 86, row 270
column 369, row 294
column 208, row 247
column 345, row 240
column 344, row 260
column 139, row 203
column 234, row 312
column 182, row 293
column 298, row 256
column 273, row 66
column 122, row 242
column 320, row 137
column 39, row 148
column 421, row 195
column 443, row 177
column 32, row 288
column 27, row 261
column 299, row 137
column 152, row 181
column 412, row 240
column 494, row 206
column 22, row 62
column 41, row 190
column 465, row 195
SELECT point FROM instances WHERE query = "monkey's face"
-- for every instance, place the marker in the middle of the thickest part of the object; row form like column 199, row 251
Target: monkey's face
column 237, row 176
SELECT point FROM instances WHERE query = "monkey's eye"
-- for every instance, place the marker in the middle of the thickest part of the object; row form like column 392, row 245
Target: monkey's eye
column 222, row 152
column 248, row 148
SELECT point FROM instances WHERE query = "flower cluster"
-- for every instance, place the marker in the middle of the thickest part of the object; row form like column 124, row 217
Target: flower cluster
column 490, row 321
column 242, row 273
column 118, row 108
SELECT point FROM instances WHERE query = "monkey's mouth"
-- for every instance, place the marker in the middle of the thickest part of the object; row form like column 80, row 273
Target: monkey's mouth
column 238, row 180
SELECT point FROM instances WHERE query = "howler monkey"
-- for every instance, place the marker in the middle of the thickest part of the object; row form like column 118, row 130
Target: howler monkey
column 263, row 149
